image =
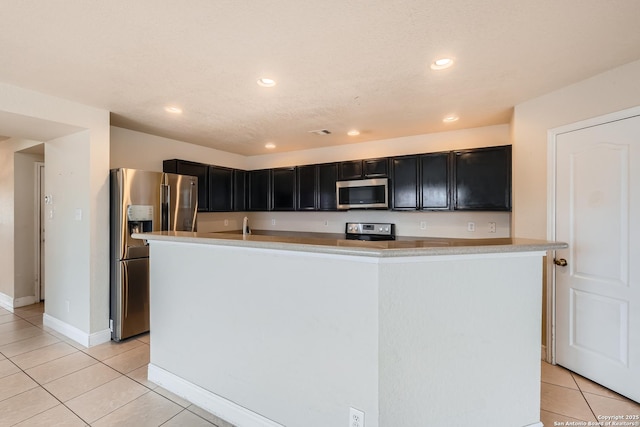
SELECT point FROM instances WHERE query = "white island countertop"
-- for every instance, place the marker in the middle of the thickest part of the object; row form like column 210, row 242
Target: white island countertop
column 336, row 243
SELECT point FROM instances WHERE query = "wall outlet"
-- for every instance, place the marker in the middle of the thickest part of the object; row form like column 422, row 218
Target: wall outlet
column 492, row 227
column 326, row 223
column 471, row 226
column 356, row 418
column 68, row 304
column 423, row 225
column 226, row 222
column 273, row 222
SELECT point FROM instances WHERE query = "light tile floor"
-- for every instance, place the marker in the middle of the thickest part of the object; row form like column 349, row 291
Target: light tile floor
column 47, row 379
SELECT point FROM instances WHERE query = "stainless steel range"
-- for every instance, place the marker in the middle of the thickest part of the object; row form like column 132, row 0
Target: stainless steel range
column 370, row 231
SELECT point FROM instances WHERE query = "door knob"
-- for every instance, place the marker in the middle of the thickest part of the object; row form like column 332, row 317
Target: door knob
column 561, row 262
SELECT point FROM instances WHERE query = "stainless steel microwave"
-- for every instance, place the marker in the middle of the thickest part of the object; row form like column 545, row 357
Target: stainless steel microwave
column 363, row 194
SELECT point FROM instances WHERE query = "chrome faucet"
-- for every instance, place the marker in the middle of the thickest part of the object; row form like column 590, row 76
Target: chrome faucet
column 245, row 227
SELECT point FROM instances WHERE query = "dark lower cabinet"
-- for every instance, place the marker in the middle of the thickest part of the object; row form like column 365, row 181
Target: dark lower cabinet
column 327, row 177
column 435, row 181
column 240, row 190
column 184, row 167
column 283, row 189
column 307, row 188
column 259, row 190
column 404, row 183
column 483, row 179
column 220, row 189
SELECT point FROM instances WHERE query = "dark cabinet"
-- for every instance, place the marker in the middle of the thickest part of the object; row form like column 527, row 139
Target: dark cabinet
column 327, row 177
column 375, row 168
column 359, row 169
column 220, row 189
column 259, row 189
column 421, row 182
column 283, row 189
column 435, row 181
column 351, row 170
column 239, row 190
column 307, row 188
column 184, row 167
column 483, row 179
column 404, row 183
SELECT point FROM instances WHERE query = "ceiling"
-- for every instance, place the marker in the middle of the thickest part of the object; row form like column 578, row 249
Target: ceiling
column 339, row 64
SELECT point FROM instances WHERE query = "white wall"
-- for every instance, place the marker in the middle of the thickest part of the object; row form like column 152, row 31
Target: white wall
column 87, row 189
column 608, row 92
column 8, row 218
column 137, row 150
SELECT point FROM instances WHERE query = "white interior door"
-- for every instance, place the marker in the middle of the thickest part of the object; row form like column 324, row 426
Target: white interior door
column 598, row 291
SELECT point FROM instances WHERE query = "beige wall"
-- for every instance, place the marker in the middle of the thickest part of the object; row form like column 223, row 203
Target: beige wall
column 608, row 92
column 612, row 91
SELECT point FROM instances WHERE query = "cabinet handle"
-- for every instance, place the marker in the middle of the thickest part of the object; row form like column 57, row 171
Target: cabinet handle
column 561, row 262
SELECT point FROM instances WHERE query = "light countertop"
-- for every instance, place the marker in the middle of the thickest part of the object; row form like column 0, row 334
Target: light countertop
column 337, row 244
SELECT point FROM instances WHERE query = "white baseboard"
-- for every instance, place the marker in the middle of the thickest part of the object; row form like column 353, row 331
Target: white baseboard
column 21, row 302
column 6, row 302
column 219, row 406
column 81, row 337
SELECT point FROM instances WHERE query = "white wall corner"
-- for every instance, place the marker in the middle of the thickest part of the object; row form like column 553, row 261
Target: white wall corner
column 6, row 302
column 81, row 337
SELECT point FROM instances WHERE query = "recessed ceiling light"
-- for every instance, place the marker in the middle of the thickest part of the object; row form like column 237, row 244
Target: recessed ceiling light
column 173, row 110
column 450, row 119
column 266, row 82
column 441, row 64
column 353, row 132
column 270, row 145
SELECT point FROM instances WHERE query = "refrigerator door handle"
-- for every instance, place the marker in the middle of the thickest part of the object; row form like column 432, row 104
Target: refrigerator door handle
column 165, row 203
column 193, row 201
column 125, row 290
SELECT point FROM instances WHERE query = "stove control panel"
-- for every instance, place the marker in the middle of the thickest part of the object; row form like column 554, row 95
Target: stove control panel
column 383, row 229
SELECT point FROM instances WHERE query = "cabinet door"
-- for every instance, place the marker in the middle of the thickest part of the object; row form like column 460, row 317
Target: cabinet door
column 199, row 170
column 483, row 179
column 220, row 189
column 239, row 190
column 435, row 181
column 327, row 177
column 351, row 170
column 375, row 168
column 259, row 190
column 284, row 189
column 307, row 187
column 404, row 183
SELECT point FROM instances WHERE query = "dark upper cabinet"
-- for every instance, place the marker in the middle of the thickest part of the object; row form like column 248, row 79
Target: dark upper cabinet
column 199, row 170
column 483, row 179
column 359, row 169
column 259, row 190
column 220, row 189
column 327, row 177
column 435, row 181
column 239, row 190
column 283, row 189
column 374, row 168
column 404, row 183
column 350, row 170
column 307, row 188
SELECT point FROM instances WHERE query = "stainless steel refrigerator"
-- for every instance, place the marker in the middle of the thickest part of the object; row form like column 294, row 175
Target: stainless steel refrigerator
column 142, row 201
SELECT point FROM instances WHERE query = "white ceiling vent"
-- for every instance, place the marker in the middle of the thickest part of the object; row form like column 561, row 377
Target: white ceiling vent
column 320, row 132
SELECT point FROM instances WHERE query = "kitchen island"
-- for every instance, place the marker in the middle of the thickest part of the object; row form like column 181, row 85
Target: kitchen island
column 294, row 330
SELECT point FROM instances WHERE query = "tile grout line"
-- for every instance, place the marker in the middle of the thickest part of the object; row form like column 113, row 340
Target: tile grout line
column 582, row 394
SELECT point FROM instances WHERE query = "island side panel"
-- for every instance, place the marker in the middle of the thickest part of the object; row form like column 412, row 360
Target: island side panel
column 291, row 336
column 460, row 341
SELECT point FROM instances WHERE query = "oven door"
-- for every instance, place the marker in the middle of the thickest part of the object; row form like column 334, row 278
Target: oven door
column 363, row 194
